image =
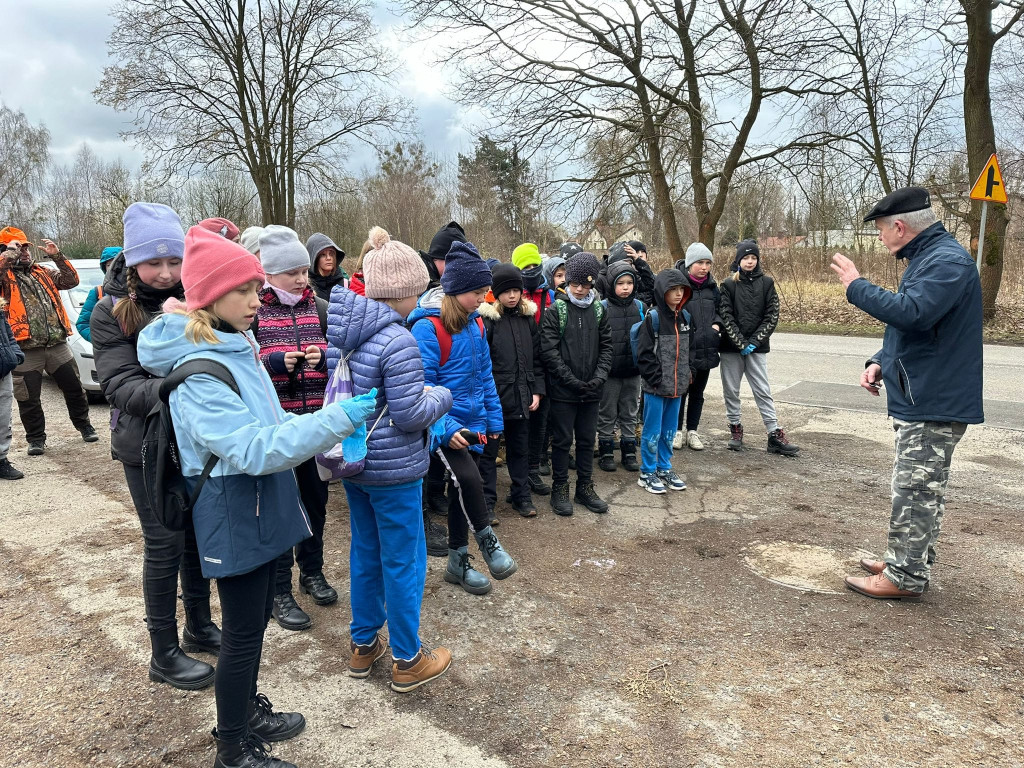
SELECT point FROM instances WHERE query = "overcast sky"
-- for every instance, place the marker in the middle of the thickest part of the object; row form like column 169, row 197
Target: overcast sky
column 50, row 68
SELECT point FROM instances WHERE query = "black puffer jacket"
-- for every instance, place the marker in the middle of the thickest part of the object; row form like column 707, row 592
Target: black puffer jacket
column 582, row 354
column 514, row 339
column 644, row 279
column 128, row 387
column 622, row 315
column 749, row 311
column 666, row 360
column 704, row 308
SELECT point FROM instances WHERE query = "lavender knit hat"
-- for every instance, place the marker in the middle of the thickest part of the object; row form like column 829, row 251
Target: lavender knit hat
column 152, row 231
column 392, row 270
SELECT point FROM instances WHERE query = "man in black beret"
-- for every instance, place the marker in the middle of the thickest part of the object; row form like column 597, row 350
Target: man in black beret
column 931, row 364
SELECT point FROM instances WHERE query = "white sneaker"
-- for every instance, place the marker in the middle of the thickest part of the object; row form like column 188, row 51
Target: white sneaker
column 692, row 440
column 677, row 441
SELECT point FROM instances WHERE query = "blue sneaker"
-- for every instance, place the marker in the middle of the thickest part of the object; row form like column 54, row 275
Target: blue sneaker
column 672, row 480
column 650, row 483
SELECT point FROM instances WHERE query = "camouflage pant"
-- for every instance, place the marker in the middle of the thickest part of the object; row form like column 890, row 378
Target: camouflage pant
column 924, row 450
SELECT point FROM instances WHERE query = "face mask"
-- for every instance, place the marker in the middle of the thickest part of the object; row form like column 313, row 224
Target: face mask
column 533, row 277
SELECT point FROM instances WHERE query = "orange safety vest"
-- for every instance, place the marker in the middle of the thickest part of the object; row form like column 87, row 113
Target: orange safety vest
column 16, row 312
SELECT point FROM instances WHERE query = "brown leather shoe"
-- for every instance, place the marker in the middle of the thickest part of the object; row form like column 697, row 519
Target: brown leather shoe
column 880, row 588
column 872, row 566
column 408, row 675
column 363, row 656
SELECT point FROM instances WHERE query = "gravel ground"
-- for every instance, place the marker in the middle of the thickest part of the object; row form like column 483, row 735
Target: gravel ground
column 704, row 628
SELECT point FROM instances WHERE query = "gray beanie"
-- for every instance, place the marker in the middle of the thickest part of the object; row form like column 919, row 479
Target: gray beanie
column 250, row 239
column 280, row 250
column 696, row 252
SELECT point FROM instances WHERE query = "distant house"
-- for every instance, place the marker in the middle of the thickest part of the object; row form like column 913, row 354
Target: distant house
column 861, row 239
column 601, row 236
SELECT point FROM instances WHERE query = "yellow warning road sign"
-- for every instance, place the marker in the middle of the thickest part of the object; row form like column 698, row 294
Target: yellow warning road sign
column 989, row 185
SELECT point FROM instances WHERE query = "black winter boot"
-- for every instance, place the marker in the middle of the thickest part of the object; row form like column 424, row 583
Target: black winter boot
column 288, row 614
column 628, row 448
column 9, row 472
column 607, row 460
column 315, row 585
column 560, row 499
column 777, row 443
column 736, row 439
column 587, row 496
column 537, row 485
column 437, row 536
column 270, row 725
column 170, row 665
column 544, row 470
column 435, row 501
column 249, row 752
column 201, row 635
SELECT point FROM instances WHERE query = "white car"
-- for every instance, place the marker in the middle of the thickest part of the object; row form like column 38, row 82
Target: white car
column 89, row 276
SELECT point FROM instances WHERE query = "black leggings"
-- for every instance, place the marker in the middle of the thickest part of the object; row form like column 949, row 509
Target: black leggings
column 517, row 439
column 466, row 505
column 310, row 552
column 245, row 605
column 165, row 554
column 693, row 401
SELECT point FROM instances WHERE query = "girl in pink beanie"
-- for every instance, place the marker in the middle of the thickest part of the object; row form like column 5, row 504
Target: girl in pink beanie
column 248, row 511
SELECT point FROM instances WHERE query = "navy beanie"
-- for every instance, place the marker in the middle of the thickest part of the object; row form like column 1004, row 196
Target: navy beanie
column 582, row 269
column 744, row 248
column 464, row 270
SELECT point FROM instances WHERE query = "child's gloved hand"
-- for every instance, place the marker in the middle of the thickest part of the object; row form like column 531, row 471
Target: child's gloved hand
column 361, row 407
column 748, row 349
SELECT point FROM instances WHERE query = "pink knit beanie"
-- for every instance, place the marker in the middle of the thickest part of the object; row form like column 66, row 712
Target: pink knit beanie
column 392, row 270
column 213, row 266
column 220, row 226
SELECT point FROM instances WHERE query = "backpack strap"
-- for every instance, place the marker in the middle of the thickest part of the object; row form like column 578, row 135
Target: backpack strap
column 480, row 325
column 321, row 310
column 599, row 310
column 444, row 339
column 193, row 367
column 655, row 321
column 563, row 317
column 640, row 307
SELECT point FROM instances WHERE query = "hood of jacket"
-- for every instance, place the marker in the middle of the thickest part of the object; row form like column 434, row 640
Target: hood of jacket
column 355, row 319
column 316, row 243
column 115, row 282
column 549, row 267
column 490, row 311
column 429, row 304
column 616, row 270
column 670, row 278
column 162, row 344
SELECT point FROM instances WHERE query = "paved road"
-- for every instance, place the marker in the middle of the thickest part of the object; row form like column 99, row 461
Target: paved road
column 824, row 370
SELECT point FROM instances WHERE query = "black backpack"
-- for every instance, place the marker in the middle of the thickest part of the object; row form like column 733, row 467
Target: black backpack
column 165, row 485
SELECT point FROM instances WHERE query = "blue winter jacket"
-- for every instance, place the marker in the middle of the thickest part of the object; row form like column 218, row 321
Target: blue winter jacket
column 249, row 510
column 932, row 353
column 467, row 373
column 385, row 356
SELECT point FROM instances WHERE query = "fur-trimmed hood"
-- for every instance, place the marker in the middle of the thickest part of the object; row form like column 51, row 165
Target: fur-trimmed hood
column 526, row 308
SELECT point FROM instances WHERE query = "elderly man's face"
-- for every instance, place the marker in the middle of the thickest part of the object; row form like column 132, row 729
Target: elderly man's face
column 21, row 253
column 893, row 236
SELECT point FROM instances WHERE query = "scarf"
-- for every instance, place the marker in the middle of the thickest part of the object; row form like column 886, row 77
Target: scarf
column 699, row 281
column 533, row 278
column 582, row 303
column 288, row 299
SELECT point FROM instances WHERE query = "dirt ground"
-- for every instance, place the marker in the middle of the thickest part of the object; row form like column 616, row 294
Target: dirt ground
column 704, row 628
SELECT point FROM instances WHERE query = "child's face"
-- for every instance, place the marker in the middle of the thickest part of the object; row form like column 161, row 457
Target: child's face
column 579, row 291
column 510, row 298
column 160, row 273
column 748, row 262
column 700, row 268
column 471, row 301
column 292, row 281
column 624, row 287
column 674, row 296
column 558, row 277
column 238, row 308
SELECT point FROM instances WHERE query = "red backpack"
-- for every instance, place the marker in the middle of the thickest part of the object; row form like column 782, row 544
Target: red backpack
column 444, row 339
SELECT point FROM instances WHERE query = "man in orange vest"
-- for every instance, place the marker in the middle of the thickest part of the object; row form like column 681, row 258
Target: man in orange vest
column 41, row 327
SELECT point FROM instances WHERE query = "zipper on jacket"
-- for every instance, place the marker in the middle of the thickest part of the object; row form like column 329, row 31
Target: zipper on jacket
column 906, row 377
column 257, row 498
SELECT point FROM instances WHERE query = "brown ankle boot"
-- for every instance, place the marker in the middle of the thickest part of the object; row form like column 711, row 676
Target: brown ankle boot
column 408, row 675
column 363, row 656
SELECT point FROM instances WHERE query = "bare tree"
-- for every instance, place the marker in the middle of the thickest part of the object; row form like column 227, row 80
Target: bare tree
column 24, row 159
column 272, row 87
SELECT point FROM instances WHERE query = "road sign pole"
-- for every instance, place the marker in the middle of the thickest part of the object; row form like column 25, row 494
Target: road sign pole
column 981, row 232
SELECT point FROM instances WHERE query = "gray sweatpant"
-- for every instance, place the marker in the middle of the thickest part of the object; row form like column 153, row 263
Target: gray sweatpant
column 620, row 404
column 755, row 367
column 6, row 404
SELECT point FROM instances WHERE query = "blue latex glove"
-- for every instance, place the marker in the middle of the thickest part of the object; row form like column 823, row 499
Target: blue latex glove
column 748, row 349
column 361, row 407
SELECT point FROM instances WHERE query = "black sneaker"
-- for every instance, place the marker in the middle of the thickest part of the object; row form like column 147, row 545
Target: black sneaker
column 288, row 614
column 777, row 443
column 273, row 726
column 525, row 508
column 560, row 499
column 437, row 537
column 89, row 434
column 537, row 485
column 37, row 448
column 544, row 470
column 8, row 472
column 316, row 586
column 587, row 496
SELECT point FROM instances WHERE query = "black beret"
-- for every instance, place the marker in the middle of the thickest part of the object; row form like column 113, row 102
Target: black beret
column 903, row 200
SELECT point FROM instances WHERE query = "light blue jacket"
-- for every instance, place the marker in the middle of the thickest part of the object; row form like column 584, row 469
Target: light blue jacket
column 249, row 510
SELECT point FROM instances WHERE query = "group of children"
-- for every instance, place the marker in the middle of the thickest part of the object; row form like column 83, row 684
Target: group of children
column 447, row 355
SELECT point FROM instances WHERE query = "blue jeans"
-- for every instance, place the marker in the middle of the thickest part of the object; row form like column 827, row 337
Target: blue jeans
column 660, row 417
column 388, row 563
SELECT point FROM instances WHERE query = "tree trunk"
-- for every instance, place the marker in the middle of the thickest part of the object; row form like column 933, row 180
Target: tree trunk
column 662, row 193
column 981, row 144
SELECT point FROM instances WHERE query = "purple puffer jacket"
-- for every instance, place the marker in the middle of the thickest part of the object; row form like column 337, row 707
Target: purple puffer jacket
column 386, row 356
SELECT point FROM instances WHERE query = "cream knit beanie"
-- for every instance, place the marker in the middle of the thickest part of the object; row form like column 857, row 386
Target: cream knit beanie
column 392, row 270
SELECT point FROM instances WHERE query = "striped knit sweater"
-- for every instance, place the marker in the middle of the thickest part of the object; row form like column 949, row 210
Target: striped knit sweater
column 287, row 329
